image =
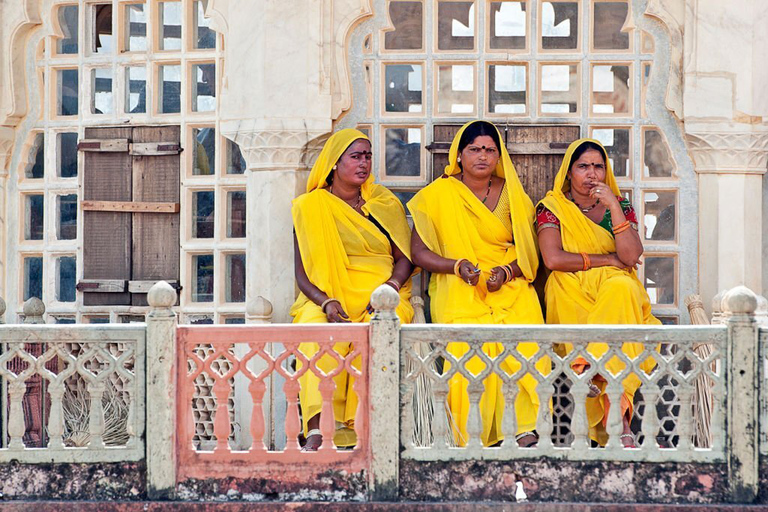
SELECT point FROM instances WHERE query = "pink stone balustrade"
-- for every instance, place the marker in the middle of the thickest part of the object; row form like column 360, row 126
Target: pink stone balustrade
column 193, row 462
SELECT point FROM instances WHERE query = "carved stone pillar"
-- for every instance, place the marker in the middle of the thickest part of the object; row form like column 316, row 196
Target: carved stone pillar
column 6, row 149
column 730, row 164
column 277, row 153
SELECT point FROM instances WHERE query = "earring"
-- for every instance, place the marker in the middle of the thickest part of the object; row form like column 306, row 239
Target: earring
column 335, row 167
column 458, row 159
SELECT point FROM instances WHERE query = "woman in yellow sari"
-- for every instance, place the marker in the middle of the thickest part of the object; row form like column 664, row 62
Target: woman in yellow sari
column 588, row 238
column 473, row 229
column 351, row 236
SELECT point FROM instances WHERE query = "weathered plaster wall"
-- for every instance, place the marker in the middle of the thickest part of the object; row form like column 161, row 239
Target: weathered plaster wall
column 114, row 481
column 548, row 481
column 327, row 486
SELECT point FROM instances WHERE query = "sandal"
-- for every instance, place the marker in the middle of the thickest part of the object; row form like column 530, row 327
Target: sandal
column 314, row 441
column 631, row 443
column 530, row 444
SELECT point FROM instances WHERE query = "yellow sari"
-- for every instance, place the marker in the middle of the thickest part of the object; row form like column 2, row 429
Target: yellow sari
column 454, row 224
column 603, row 295
column 346, row 256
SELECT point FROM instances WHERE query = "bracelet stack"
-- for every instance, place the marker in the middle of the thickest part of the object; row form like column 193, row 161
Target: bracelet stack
column 394, row 284
column 326, row 302
column 587, row 262
column 456, row 266
column 621, row 227
column 509, row 272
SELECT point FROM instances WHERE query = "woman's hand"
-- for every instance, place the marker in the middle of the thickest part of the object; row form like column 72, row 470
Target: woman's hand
column 468, row 273
column 335, row 313
column 604, row 194
column 496, row 279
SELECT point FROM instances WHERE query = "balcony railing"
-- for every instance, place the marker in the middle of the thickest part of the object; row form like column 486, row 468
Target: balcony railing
column 222, row 401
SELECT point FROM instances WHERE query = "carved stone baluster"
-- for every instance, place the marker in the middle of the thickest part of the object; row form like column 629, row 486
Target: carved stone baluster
column 292, row 424
column 440, row 422
column 613, row 390
column 510, row 390
column 56, row 417
column 650, row 424
column 475, row 390
column 96, row 419
column 221, row 424
column 579, row 390
column 545, row 390
column 16, row 428
column 257, row 388
column 326, row 387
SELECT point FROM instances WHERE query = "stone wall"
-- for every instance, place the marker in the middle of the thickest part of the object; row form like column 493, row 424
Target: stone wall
column 98, row 481
column 560, row 481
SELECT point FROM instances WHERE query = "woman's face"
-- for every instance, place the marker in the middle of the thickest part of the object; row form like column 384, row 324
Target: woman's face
column 587, row 171
column 354, row 166
column 479, row 157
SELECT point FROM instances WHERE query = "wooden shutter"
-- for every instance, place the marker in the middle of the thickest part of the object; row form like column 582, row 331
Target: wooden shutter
column 130, row 211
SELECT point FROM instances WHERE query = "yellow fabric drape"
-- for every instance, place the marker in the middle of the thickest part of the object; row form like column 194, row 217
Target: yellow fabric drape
column 346, row 256
column 454, row 224
column 603, row 295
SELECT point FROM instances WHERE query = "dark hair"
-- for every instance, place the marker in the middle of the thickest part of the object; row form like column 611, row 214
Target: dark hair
column 583, row 147
column 478, row 129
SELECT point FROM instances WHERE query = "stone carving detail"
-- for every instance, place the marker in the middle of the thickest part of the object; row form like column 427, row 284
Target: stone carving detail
column 674, row 97
column 278, row 149
column 729, row 152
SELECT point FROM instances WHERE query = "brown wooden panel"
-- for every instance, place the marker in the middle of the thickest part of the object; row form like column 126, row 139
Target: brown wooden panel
column 537, row 171
column 107, row 235
column 129, row 206
column 155, row 235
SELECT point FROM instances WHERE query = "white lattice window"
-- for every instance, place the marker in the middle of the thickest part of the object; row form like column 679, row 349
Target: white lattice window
column 127, row 64
column 531, row 67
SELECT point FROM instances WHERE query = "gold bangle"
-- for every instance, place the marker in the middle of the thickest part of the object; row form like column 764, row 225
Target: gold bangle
column 511, row 272
column 326, row 302
column 456, row 266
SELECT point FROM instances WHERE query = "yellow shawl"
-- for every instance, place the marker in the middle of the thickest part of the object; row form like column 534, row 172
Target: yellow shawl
column 579, row 234
column 454, row 224
column 344, row 253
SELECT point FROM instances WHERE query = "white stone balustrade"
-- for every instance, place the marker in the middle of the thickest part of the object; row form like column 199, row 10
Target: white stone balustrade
column 75, row 393
column 108, row 361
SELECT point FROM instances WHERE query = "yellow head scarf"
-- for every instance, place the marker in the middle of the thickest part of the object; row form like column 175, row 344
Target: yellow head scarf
column 380, row 203
column 520, row 204
column 578, row 231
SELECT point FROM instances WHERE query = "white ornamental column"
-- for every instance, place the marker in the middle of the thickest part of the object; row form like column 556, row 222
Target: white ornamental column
column 725, row 117
column 277, row 154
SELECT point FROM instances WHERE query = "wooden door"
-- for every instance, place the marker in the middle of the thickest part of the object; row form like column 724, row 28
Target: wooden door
column 130, row 205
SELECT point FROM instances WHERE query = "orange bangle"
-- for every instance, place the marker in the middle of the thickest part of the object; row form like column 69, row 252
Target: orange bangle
column 621, row 227
column 587, row 262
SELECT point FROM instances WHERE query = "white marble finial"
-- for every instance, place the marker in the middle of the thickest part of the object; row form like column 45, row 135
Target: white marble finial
column 739, row 301
column 34, row 309
column 385, row 298
column 717, row 301
column 259, row 308
column 161, row 295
